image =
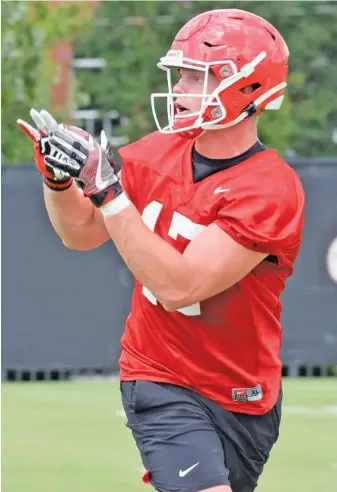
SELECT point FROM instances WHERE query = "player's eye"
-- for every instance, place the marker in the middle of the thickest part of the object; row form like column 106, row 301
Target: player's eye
column 197, row 78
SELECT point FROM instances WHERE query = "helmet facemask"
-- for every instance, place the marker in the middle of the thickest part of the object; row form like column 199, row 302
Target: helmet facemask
column 177, row 122
column 212, row 111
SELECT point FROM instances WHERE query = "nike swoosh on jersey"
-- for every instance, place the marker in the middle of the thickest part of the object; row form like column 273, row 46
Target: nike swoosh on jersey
column 183, row 473
column 221, row 190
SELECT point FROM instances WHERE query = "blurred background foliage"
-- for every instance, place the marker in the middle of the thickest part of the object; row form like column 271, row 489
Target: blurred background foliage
column 131, row 36
column 28, row 30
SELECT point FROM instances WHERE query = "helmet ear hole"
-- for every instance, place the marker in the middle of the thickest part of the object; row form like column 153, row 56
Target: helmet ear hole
column 249, row 89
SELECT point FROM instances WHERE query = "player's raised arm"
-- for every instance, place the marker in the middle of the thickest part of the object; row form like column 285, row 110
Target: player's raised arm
column 75, row 219
column 78, row 223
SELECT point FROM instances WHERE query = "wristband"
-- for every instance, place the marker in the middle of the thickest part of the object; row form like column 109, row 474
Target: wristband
column 58, row 185
column 115, row 206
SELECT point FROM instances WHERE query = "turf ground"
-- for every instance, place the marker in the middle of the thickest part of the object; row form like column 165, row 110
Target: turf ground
column 71, row 437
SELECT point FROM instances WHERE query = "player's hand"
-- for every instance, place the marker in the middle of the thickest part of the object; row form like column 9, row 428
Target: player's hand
column 54, row 178
column 91, row 163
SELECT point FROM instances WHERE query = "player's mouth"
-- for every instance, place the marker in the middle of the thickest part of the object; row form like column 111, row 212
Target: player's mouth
column 180, row 109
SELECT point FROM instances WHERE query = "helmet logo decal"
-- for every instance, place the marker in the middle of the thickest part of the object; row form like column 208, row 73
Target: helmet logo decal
column 176, row 54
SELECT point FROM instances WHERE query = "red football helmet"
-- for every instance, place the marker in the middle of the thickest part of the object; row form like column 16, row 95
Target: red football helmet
column 241, row 49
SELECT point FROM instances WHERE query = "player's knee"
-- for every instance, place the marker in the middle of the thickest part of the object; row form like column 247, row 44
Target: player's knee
column 218, row 488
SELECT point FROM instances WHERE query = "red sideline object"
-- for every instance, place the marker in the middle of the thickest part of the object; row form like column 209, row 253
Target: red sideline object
column 147, row 477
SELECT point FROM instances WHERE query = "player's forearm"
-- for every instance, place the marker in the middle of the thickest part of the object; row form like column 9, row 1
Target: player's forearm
column 74, row 218
column 154, row 263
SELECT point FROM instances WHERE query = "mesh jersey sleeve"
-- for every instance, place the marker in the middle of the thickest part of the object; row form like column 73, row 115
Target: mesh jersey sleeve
column 263, row 221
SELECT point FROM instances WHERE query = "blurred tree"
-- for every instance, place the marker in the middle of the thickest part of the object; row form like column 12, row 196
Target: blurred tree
column 310, row 30
column 28, row 29
column 131, row 40
column 131, row 36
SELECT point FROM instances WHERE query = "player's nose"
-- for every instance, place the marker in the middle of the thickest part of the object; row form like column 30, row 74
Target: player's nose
column 179, row 87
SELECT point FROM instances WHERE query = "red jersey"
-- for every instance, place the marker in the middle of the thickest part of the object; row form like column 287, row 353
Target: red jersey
column 226, row 348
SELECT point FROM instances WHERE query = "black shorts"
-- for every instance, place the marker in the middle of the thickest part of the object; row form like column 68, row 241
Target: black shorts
column 190, row 443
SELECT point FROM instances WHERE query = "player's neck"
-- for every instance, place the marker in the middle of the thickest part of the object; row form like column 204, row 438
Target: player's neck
column 229, row 142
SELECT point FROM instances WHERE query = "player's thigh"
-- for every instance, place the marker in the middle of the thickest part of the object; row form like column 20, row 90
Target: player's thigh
column 177, row 441
column 247, row 442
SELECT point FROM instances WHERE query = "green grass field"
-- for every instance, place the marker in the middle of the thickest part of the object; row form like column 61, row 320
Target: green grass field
column 70, row 437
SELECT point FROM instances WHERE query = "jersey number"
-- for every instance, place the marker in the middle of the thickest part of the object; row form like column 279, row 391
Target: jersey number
column 179, row 225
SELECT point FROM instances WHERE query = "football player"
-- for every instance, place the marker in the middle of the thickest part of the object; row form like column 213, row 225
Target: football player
column 209, row 221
